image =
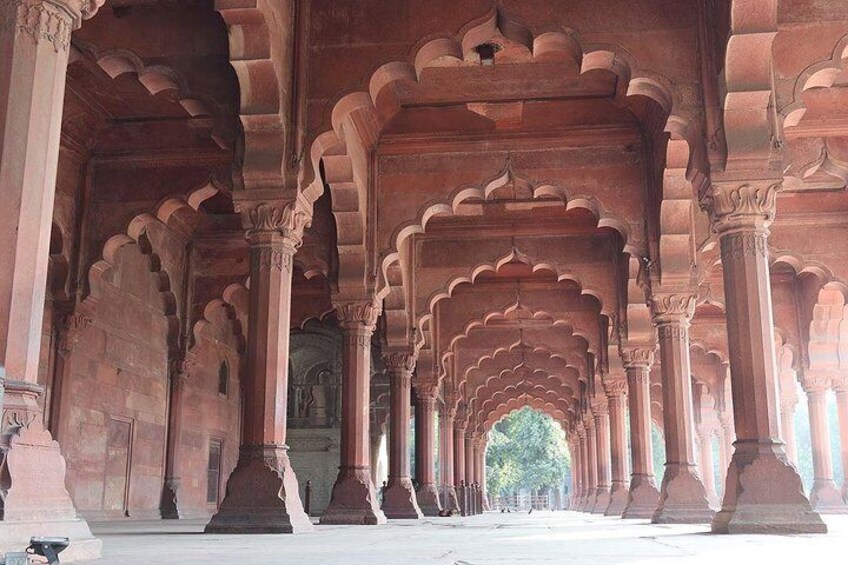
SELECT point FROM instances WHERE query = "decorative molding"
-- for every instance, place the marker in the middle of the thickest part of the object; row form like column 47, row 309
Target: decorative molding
column 741, row 205
column 272, row 258
column 737, row 246
column 427, row 391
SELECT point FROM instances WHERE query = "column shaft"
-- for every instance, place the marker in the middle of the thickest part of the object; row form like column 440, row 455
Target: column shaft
column 262, row 493
column 740, row 212
column 600, row 413
column 825, row 497
column 34, row 46
column 683, row 499
column 399, row 500
column 842, row 408
column 619, row 492
column 353, row 500
column 448, row 488
column 592, row 460
column 643, row 496
column 425, row 448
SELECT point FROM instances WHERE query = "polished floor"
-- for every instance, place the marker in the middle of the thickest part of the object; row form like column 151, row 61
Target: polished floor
column 492, row 538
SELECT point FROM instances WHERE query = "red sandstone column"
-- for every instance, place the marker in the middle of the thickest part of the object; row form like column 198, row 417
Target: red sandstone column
column 841, row 388
column 824, row 496
column 376, row 432
column 447, row 421
column 425, row 447
column 469, row 472
column 683, row 499
column 740, row 212
column 616, row 389
column 600, row 412
column 574, row 450
column 643, row 496
column 34, row 45
column 705, row 447
column 353, row 500
column 591, row 460
column 583, row 446
column 459, row 428
column 399, row 499
column 169, row 506
column 262, row 492
column 787, row 425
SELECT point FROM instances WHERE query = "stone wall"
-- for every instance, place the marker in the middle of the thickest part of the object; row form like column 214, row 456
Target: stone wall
column 314, row 454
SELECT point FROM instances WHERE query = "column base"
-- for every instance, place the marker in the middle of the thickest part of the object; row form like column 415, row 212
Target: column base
column 825, row 498
column 428, row 500
column 486, row 506
column 683, row 499
column 589, row 502
column 619, row 495
column 353, row 500
column 169, row 508
column 602, row 500
column 642, row 499
column 399, row 502
column 449, row 498
column 36, row 502
column 262, row 497
column 764, row 495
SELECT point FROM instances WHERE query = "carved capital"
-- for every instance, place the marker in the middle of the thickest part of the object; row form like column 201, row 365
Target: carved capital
column 73, row 326
column 615, row 386
column 358, row 313
column 673, row 308
column 741, row 205
column 426, row 389
column 788, row 403
column 600, row 406
column 261, row 220
column 400, row 360
column 181, row 367
column 50, row 21
column 816, row 381
column 637, row 357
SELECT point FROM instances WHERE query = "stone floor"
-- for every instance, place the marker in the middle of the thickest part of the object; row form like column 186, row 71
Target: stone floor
column 542, row 537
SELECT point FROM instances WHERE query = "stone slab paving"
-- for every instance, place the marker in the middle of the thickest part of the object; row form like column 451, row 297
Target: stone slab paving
column 492, row 538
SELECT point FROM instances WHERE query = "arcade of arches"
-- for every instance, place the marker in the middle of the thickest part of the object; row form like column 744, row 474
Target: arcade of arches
column 245, row 242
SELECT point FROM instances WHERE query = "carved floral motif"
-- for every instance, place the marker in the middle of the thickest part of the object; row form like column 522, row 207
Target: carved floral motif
column 286, row 219
column 74, row 325
column 637, row 357
column 738, row 205
column 359, row 312
column 42, row 20
column 615, row 386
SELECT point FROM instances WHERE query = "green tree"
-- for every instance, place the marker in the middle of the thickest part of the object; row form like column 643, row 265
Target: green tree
column 527, row 449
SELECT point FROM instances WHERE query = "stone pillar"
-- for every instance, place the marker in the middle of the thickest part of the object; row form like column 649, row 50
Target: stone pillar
column 169, row 505
column 841, row 388
column 591, row 460
column 478, row 471
column 583, row 446
column 705, row 447
column 262, row 492
column 616, row 389
column 399, row 499
column 787, row 425
column 376, row 432
column 740, row 213
column 600, row 412
column 683, row 499
column 576, row 472
column 427, row 392
column 459, row 427
column 824, row 496
column 447, row 490
column 643, row 496
column 34, row 45
column 353, row 500
column 469, row 473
